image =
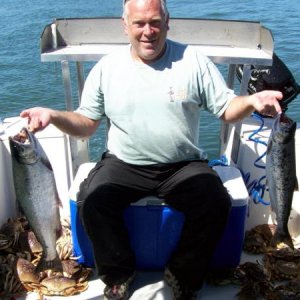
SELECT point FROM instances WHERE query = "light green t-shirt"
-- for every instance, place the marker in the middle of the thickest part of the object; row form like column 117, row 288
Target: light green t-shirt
column 153, row 109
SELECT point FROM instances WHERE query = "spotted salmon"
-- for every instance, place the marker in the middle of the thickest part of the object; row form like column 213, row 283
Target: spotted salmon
column 36, row 194
column 281, row 175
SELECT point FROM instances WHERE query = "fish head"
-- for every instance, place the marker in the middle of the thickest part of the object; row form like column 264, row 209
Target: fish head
column 284, row 128
column 23, row 147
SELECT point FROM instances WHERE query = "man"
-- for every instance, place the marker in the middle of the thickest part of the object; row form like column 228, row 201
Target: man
column 151, row 93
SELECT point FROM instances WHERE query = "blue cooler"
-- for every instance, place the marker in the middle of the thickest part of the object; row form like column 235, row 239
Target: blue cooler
column 154, row 228
column 82, row 248
column 229, row 249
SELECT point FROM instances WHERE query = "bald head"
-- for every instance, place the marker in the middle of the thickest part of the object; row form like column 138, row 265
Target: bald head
column 161, row 2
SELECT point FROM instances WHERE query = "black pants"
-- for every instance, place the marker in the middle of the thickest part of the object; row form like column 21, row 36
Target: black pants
column 190, row 187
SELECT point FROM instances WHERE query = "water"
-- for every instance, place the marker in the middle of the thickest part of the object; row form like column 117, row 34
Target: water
column 26, row 82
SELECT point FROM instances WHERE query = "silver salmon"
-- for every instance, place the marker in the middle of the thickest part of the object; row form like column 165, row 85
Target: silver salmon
column 281, row 175
column 36, row 194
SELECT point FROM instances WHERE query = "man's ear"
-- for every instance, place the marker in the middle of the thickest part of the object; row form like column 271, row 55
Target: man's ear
column 124, row 22
column 167, row 22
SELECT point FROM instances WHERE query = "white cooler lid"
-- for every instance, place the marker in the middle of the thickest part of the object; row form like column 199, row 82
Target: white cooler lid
column 234, row 183
column 81, row 174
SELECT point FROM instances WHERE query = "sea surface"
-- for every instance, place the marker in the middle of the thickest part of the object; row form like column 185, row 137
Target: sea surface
column 25, row 81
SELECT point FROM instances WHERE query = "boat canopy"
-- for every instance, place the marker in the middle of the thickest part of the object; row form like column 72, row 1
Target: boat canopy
column 228, row 42
column 224, row 41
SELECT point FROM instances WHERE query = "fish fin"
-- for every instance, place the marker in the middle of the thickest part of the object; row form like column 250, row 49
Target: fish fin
column 282, row 238
column 58, row 201
column 54, row 264
column 269, row 146
column 59, row 228
column 47, row 163
column 43, row 155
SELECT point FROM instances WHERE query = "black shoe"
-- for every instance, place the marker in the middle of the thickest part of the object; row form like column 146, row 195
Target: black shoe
column 118, row 291
column 179, row 291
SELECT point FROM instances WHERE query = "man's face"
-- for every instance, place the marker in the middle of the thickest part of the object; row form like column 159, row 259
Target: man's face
column 146, row 26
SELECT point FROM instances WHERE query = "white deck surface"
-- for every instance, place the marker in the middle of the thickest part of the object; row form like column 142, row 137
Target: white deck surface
column 150, row 286
column 147, row 285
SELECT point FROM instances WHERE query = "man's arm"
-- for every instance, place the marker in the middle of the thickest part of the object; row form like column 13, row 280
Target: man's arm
column 69, row 122
column 265, row 102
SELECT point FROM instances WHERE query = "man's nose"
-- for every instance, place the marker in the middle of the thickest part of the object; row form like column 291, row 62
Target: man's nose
column 148, row 29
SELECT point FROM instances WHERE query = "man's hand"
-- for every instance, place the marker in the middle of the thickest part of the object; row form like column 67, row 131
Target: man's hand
column 266, row 102
column 38, row 118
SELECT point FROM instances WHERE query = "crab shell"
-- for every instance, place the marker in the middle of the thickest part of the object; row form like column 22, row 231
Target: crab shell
column 282, row 264
column 10, row 232
column 28, row 242
column 290, row 290
column 12, row 227
column 288, row 268
column 71, row 268
column 286, row 254
column 52, row 286
column 254, row 243
column 61, row 286
column 258, row 239
column 26, row 271
column 250, row 271
column 280, row 269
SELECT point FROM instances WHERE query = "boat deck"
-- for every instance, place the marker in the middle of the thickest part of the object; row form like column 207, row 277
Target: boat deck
column 151, row 286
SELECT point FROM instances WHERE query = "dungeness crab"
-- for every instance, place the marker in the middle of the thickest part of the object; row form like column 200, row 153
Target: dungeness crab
column 281, row 264
column 19, row 255
column 258, row 239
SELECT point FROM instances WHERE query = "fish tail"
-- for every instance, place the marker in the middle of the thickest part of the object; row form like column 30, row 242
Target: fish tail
column 282, row 238
column 54, row 264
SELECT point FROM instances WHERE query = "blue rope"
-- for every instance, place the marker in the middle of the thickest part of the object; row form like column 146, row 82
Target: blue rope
column 258, row 141
column 222, row 161
column 256, row 188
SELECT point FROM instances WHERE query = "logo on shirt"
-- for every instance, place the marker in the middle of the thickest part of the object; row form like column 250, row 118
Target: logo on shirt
column 179, row 95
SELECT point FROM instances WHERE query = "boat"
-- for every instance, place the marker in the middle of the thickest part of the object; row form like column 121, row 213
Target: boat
column 80, row 41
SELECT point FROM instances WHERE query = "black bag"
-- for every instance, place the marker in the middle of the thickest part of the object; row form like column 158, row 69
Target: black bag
column 276, row 77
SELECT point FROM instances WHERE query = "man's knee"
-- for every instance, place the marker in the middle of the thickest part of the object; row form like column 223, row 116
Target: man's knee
column 107, row 199
column 90, row 200
column 214, row 196
column 220, row 198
